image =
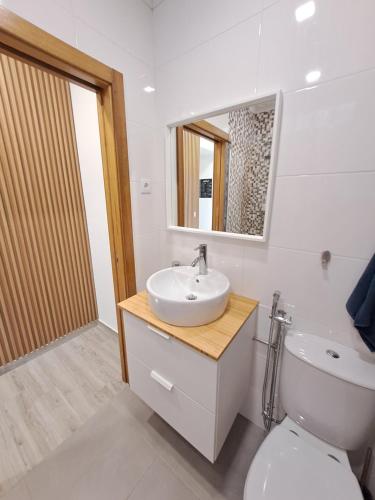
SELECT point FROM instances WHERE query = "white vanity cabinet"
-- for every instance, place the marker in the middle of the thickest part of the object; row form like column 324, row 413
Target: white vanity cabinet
column 199, row 396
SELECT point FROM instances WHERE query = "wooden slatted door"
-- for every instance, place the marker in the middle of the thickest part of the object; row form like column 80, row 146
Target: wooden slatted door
column 46, row 281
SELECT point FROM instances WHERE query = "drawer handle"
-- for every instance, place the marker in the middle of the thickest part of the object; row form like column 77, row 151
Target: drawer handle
column 159, row 332
column 161, row 380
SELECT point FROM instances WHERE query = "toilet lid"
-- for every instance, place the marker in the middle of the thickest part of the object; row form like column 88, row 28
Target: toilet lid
column 286, row 467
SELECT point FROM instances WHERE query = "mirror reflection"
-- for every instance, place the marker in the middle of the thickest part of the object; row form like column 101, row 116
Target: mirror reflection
column 223, row 169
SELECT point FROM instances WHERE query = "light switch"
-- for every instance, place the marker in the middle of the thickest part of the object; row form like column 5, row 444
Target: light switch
column 145, row 186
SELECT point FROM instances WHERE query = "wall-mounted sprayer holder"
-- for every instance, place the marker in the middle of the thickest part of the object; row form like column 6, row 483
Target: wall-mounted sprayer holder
column 279, row 322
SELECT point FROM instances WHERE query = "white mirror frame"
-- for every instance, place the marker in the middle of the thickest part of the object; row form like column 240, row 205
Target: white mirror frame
column 171, row 172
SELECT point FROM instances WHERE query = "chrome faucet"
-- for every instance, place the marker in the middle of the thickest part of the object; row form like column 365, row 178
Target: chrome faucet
column 201, row 259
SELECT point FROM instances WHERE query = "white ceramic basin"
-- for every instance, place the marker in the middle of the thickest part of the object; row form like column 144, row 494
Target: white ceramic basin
column 179, row 296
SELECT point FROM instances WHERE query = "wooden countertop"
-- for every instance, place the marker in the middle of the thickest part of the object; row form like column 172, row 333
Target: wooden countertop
column 211, row 339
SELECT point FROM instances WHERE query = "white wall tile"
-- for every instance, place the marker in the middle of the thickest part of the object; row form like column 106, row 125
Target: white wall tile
column 227, row 257
column 147, row 257
column 252, row 408
column 223, row 255
column 179, row 246
column 329, row 128
column 55, row 18
column 137, row 75
column 183, row 25
column 263, row 325
column 128, row 23
column 209, row 76
column 156, row 3
column 257, row 365
column 317, row 137
column 143, row 150
column 147, row 209
column 318, row 296
column 268, row 3
column 337, row 40
column 325, row 212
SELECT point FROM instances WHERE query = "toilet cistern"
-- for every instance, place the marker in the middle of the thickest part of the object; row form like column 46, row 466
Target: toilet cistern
column 201, row 259
column 328, row 393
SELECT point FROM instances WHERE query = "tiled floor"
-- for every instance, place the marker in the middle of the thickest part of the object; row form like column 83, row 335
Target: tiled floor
column 125, row 451
column 45, row 399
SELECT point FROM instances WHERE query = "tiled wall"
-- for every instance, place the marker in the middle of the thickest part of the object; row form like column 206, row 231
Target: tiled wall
column 250, row 155
column 119, row 33
column 211, row 54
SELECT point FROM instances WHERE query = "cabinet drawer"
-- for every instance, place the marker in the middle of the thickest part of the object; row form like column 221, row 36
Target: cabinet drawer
column 193, row 373
column 192, row 421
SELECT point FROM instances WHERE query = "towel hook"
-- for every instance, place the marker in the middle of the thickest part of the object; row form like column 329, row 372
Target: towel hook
column 325, row 258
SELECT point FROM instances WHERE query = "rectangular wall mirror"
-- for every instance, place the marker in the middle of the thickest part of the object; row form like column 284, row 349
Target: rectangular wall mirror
column 221, row 170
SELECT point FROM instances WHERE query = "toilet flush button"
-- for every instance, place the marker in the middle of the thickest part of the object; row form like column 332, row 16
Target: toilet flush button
column 333, row 353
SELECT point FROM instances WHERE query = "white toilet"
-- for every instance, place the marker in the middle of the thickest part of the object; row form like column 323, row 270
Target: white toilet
column 328, row 393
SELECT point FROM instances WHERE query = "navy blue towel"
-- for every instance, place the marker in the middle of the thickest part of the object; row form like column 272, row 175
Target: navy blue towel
column 361, row 305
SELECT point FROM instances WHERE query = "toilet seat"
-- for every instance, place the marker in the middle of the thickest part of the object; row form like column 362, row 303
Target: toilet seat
column 292, row 464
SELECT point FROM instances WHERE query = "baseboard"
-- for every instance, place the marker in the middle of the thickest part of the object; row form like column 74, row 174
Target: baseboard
column 107, row 326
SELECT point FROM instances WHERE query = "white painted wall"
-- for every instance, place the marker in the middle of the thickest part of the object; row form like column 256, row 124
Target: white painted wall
column 88, row 144
column 212, row 54
column 206, row 171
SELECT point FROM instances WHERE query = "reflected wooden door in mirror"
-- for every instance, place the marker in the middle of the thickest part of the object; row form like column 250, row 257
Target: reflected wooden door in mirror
column 202, row 155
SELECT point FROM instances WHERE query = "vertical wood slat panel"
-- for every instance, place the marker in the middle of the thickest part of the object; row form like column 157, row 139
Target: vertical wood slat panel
column 62, row 191
column 46, row 281
column 71, row 203
column 24, row 168
column 44, row 118
column 14, row 272
column 42, row 192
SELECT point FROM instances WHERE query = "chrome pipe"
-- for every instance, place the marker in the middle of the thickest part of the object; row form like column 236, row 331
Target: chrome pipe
column 275, row 369
column 274, row 347
column 265, row 409
column 261, row 341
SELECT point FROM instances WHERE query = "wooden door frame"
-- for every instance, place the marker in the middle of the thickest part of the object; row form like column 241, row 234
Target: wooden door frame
column 220, row 154
column 180, row 176
column 221, row 140
column 35, row 46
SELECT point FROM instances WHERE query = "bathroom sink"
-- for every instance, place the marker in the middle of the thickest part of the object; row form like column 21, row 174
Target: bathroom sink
column 180, row 296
